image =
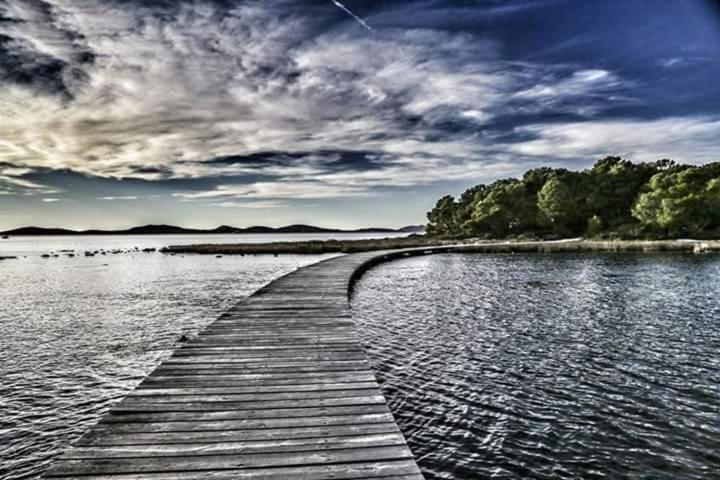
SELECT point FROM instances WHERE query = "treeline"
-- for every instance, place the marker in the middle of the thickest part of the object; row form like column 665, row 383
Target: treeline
column 614, row 199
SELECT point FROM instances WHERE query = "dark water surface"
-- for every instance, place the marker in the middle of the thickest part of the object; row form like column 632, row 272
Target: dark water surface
column 550, row 366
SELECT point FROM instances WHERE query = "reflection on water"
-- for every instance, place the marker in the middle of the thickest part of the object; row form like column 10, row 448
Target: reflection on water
column 550, row 366
column 76, row 334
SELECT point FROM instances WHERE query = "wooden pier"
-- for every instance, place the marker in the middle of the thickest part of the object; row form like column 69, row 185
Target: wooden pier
column 278, row 387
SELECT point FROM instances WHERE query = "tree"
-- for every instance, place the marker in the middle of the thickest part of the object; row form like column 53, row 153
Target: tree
column 442, row 218
column 615, row 198
column 466, row 205
column 536, row 178
column 681, row 202
column 613, row 185
column 712, row 197
column 562, row 203
column 505, row 209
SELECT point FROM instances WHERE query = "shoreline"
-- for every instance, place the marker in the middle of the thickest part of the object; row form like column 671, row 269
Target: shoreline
column 310, row 247
column 442, row 246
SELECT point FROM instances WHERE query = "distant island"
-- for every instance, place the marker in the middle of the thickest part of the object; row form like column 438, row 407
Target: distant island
column 224, row 229
column 615, row 199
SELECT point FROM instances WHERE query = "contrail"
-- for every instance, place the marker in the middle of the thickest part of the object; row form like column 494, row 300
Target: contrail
column 349, row 12
column 364, row 24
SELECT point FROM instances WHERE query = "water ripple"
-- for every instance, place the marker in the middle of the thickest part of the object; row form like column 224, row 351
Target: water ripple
column 550, row 366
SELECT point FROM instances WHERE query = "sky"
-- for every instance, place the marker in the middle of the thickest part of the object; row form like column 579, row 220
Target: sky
column 345, row 114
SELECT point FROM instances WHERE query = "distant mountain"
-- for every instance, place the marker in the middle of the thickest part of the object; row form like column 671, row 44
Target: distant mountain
column 37, row 231
column 412, row 229
column 224, row 229
column 159, row 230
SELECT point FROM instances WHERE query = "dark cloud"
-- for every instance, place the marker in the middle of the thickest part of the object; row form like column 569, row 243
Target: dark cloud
column 23, row 66
column 330, row 159
column 55, row 70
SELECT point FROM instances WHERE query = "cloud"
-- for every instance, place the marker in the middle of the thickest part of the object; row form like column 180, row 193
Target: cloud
column 278, row 100
column 13, row 181
column 671, row 62
column 279, row 189
column 251, row 204
column 20, row 182
column 581, row 92
column 159, row 93
column 51, row 200
column 687, row 139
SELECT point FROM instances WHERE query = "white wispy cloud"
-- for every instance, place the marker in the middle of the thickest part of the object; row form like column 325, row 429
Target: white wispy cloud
column 12, row 182
column 20, row 182
column 282, row 189
column 251, row 204
column 640, row 140
column 671, row 62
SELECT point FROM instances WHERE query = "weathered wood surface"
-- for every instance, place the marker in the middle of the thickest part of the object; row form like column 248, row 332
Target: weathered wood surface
column 278, row 387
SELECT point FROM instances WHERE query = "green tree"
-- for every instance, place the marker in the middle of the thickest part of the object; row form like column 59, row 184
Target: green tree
column 504, row 209
column 562, row 202
column 681, row 202
column 536, row 178
column 442, row 219
column 615, row 197
column 466, row 206
column 665, row 164
column 613, row 185
column 712, row 197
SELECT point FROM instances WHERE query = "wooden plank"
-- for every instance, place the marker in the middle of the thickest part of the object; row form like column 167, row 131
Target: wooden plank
column 249, row 336
column 234, row 448
column 255, row 357
column 297, row 388
column 264, row 329
column 386, row 470
column 277, row 341
column 351, row 418
column 224, row 379
column 271, row 367
column 145, row 411
column 167, row 397
column 269, row 349
column 213, row 369
column 107, row 438
column 263, row 384
column 184, row 365
column 228, row 462
column 277, row 387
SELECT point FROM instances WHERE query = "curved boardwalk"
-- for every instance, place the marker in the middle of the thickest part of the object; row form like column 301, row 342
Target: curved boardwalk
column 278, row 387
